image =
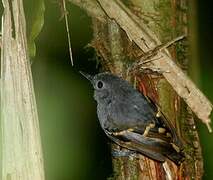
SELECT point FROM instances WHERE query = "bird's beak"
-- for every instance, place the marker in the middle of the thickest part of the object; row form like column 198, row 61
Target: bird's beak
column 88, row 76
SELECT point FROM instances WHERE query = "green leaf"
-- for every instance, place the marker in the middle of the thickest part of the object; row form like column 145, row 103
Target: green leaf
column 34, row 12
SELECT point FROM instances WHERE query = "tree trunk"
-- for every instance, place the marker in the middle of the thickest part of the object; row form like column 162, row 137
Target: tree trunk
column 167, row 19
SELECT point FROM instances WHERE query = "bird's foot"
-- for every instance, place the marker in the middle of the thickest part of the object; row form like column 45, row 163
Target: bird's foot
column 123, row 153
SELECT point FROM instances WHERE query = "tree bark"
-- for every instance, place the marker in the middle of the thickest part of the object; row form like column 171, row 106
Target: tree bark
column 116, row 51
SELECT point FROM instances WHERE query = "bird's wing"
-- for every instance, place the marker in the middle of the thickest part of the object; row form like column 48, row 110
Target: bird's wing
column 139, row 112
column 154, row 148
column 164, row 122
column 137, row 124
column 157, row 141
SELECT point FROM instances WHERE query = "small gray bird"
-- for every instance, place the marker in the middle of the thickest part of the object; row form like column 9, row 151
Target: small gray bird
column 132, row 121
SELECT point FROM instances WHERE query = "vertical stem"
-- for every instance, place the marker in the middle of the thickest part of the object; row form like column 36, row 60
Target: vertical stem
column 21, row 144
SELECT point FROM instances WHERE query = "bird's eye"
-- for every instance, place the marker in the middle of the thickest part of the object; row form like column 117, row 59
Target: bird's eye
column 100, row 84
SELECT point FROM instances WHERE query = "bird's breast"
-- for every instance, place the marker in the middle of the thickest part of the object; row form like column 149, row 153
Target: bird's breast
column 102, row 113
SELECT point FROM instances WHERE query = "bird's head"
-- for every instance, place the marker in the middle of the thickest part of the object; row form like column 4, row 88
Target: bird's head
column 106, row 85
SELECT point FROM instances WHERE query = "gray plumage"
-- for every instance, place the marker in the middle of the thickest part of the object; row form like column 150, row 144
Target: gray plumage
column 125, row 114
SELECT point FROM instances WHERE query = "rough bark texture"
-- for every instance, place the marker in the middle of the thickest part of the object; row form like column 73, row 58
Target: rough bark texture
column 167, row 19
column 21, row 145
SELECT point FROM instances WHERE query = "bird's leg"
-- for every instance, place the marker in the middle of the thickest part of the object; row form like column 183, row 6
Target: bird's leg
column 147, row 129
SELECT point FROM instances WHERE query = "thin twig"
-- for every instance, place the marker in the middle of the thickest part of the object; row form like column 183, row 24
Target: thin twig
column 68, row 31
column 147, row 57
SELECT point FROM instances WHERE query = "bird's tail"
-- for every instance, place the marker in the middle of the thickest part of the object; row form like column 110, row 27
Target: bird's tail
column 176, row 157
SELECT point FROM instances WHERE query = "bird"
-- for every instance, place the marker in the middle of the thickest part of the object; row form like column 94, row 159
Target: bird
column 131, row 119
